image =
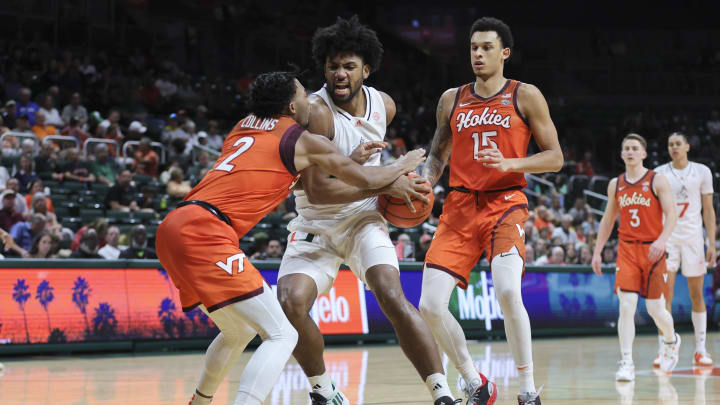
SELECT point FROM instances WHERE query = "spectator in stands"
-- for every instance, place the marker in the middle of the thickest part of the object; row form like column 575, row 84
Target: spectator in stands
column 75, row 169
column 571, row 254
column 22, row 124
column 404, row 247
column 20, row 204
column 564, row 232
column 75, row 110
column 203, row 164
column 41, row 129
column 35, row 187
column 177, row 186
column 112, row 119
column 89, row 246
column 100, row 225
column 579, row 211
column 556, row 207
column 274, row 249
column 24, row 173
column 24, row 232
column 215, row 138
column 75, row 129
column 201, row 139
column 260, row 242
column 529, row 254
column 138, row 245
column 122, row 195
column 201, row 121
column 173, row 130
column 52, row 115
column 590, row 224
column 10, row 247
column 136, row 131
column 111, row 249
column 608, row 254
column 585, row 166
column 146, row 160
column 8, row 215
column 42, row 247
column 46, row 161
column 39, row 205
column 557, row 256
column 25, row 106
column 27, row 147
column 543, row 218
column 103, row 168
column 423, row 247
column 541, row 252
column 531, row 233
column 585, row 255
column 9, row 114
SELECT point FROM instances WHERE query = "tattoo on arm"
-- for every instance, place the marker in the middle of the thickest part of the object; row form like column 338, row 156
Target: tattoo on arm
column 440, row 148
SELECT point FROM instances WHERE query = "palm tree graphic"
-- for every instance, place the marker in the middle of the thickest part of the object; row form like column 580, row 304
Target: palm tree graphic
column 81, row 293
column 20, row 295
column 104, row 322
column 167, row 315
column 44, row 294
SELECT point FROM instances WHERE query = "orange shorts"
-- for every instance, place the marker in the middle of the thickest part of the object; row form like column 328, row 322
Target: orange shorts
column 201, row 255
column 634, row 272
column 475, row 223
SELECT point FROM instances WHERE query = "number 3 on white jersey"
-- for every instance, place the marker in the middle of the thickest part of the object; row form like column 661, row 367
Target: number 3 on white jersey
column 635, row 219
column 247, row 142
column 486, row 141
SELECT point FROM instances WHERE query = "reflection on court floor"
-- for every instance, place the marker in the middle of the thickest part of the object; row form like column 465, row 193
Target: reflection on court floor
column 573, row 370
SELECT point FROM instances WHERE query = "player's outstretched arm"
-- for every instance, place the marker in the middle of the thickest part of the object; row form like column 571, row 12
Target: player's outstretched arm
column 442, row 140
column 667, row 202
column 708, row 214
column 606, row 226
column 532, row 104
column 312, row 149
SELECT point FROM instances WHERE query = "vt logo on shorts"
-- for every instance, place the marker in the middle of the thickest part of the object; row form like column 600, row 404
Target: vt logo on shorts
column 227, row 266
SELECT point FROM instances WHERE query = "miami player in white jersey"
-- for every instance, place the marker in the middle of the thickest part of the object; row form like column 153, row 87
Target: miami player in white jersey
column 692, row 187
column 337, row 222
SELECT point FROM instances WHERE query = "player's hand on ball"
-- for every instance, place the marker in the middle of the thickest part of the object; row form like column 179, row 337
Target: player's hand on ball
column 408, row 188
column 412, row 159
column 492, row 157
column 366, row 150
column 711, row 256
column 657, row 250
column 597, row 264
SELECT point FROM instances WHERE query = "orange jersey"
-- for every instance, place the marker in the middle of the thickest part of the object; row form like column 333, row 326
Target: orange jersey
column 641, row 215
column 255, row 171
column 479, row 123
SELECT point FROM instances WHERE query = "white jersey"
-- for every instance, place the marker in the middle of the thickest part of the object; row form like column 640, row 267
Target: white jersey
column 349, row 133
column 688, row 185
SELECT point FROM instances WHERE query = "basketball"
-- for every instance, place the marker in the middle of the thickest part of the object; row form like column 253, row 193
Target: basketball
column 396, row 211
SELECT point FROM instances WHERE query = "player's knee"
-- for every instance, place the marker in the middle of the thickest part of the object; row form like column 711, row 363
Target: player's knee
column 391, row 299
column 293, row 303
column 429, row 309
column 655, row 307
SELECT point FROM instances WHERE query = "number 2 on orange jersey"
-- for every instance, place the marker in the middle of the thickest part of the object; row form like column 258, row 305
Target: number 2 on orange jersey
column 247, row 142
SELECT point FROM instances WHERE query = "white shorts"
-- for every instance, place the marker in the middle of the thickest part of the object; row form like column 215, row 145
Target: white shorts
column 365, row 245
column 687, row 254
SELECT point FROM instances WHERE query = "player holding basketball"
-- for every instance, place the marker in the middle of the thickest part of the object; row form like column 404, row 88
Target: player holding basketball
column 692, row 186
column 641, row 197
column 487, row 126
column 337, row 222
column 198, row 242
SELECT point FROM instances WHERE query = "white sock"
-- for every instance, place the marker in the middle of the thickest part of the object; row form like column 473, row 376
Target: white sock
column 470, row 374
column 626, row 323
column 661, row 341
column 527, row 382
column 661, row 316
column 438, row 386
column 437, row 287
column 507, row 280
column 321, row 384
column 699, row 320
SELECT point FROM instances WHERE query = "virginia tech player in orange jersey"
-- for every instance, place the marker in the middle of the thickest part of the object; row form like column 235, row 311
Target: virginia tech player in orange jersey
column 487, row 125
column 640, row 197
column 197, row 243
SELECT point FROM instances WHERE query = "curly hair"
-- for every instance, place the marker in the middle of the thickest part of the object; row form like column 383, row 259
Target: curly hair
column 271, row 92
column 347, row 36
column 493, row 24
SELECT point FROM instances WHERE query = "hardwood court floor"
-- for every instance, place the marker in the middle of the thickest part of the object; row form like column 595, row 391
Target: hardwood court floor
column 573, row 370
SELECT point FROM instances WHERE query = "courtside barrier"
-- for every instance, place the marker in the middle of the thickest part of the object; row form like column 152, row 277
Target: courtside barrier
column 121, row 305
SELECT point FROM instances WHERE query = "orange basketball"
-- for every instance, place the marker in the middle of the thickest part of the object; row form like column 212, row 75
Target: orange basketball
column 397, row 212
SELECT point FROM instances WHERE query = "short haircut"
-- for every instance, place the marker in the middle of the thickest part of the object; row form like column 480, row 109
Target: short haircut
column 347, row 36
column 271, row 93
column 636, row 137
column 493, row 24
column 680, row 134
